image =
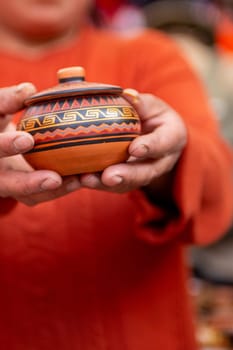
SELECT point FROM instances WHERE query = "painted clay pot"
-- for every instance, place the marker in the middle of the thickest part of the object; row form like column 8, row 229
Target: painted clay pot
column 79, row 126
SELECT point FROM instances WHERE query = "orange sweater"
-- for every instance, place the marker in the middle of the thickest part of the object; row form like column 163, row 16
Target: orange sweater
column 96, row 270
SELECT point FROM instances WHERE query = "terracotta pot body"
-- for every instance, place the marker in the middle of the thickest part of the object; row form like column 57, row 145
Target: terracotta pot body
column 79, row 127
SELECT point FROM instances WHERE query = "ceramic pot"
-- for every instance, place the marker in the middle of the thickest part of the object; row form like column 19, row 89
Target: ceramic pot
column 79, row 126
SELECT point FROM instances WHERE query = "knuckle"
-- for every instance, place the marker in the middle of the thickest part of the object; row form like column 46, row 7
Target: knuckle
column 139, row 178
column 5, row 147
column 158, row 169
column 24, row 187
column 7, row 100
column 26, row 191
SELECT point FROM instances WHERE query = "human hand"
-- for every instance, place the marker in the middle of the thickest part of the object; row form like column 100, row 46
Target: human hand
column 17, row 179
column 152, row 155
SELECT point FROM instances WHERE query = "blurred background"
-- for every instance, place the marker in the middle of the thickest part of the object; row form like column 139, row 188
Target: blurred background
column 204, row 31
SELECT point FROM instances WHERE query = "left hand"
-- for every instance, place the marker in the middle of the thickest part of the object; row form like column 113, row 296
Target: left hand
column 18, row 180
column 153, row 154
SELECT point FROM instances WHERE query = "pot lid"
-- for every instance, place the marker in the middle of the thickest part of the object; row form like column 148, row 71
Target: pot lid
column 72, row 82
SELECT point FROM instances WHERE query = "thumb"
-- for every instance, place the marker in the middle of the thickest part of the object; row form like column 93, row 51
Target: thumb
column 132, row 96
column 12, row 98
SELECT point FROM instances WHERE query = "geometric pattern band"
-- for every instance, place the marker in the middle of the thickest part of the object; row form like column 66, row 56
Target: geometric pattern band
column 80, row 120
column 84, row 116
column 75, row 102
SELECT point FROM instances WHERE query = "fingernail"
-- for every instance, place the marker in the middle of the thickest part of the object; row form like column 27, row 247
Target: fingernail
column 22, row 143
column 72, row 185
column 117, row 180
column 140, row 151
column 132, row 159
column 134, row 94
column 49, row 184
column 29, row 87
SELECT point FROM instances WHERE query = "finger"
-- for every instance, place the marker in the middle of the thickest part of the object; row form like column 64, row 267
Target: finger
column 12, row 98
column 137, row 174
column 69, row 184
column 122, row 178
column 147, row 105
column 18, row 184
column 166, row 139
column 92, row 180
column 12, row 143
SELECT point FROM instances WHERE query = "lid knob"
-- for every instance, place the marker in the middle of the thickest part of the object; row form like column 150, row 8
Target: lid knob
column 71, row 74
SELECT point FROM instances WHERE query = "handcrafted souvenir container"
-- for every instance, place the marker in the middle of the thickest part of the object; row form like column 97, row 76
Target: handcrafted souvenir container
column 79, row 126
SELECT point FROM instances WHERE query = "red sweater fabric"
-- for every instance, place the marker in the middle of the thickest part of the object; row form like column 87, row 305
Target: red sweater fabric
column 96, row 270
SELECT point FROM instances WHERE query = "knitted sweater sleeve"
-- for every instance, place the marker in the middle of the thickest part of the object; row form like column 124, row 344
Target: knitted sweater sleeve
column 203, row 186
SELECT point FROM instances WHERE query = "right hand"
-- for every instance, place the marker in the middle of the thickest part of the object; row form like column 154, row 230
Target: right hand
column 17, row 179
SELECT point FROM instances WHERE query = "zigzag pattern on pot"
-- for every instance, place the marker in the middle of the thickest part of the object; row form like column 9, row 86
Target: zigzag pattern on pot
column 92, row 130
column 75, row 102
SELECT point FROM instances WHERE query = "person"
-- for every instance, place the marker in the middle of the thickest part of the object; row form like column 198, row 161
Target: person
column 97, row 261
column 123, row 16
